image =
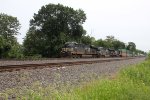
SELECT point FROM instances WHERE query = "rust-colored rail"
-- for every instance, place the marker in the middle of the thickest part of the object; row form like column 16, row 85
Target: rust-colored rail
column 11, row 68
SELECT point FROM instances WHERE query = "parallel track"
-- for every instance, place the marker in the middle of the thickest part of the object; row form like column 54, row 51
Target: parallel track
column 10, row 68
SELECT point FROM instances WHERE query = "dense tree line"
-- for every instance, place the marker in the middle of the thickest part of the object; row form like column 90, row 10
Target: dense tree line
column 50, row 28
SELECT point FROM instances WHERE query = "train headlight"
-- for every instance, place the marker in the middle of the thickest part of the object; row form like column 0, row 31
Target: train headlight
column 71, row 49
column 67, row 49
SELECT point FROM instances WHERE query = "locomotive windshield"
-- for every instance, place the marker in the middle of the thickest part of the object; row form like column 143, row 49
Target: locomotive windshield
column 70, row 44
column 100, row 48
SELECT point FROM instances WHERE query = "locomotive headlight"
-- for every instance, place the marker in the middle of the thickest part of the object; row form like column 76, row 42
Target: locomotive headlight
column 63, row 49
column 71, row 49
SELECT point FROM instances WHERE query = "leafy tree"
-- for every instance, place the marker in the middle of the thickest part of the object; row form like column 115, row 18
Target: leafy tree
column 9, row 27
column 114, row 43
column 118, row 44
column 52, row 27
column 87, row 40
column 110, row 39
column 100, row 43
column 131, row 46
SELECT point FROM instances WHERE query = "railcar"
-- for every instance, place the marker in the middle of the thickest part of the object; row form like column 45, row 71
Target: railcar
column 125, row 53
column 103, row 52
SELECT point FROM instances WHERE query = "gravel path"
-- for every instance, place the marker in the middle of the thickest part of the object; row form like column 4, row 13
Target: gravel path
column 72, row 74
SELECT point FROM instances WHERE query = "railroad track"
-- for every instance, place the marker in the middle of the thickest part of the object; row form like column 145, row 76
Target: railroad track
column 10, row 68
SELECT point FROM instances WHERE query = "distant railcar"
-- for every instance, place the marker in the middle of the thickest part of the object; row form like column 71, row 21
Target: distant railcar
column 125, row 53
column 112, row 52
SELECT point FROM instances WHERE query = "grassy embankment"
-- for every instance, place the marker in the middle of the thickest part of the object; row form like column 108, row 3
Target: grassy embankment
column 132, row 83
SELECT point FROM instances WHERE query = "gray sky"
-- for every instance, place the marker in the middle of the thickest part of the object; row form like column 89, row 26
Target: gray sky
column 127, row 20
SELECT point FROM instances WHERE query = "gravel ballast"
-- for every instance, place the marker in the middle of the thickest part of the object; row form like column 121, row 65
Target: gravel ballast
column 58, row 75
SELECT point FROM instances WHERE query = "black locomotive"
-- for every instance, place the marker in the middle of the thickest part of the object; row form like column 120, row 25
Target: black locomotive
column 73, row 49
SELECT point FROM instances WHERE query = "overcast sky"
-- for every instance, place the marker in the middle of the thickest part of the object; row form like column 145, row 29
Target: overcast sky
column 127, row 20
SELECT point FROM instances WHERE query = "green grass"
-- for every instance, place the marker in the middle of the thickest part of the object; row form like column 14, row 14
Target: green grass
column 131, row 83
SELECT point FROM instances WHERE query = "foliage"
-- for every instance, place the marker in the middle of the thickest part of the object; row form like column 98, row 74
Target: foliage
column 110, row 39
column 4, row 47
column 110, row 42
column 138, row 74
column 99, row 42
column 33, row 44
column 9, row 50
column 16, row 51
column 9, row 27
column 131, row 46
column 102, row 43
column 87, row 40
column 118, row 44
column 148, row 55
column 140, row 52
column 52, row 27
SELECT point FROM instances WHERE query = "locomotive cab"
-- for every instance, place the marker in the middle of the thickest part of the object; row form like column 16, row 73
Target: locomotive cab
column 68, row 49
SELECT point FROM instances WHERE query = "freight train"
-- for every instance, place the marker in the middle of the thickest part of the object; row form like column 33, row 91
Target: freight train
column 78, row 50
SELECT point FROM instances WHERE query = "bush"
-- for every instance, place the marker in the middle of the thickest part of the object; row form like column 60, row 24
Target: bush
column 16, row 52
column 148, row 55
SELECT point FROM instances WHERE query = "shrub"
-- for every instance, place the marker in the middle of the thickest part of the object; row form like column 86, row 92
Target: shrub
column 148, row 55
